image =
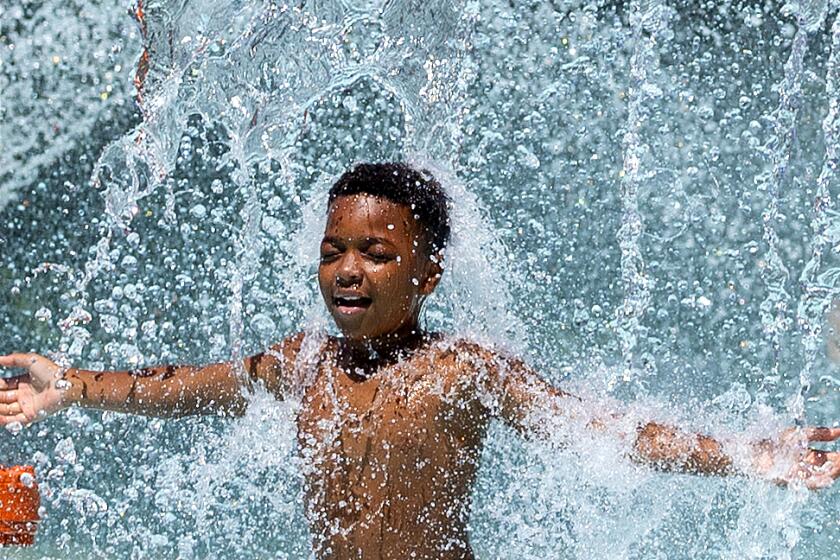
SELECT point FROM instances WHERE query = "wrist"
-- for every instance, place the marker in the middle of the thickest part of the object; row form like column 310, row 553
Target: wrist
column 773, row 459
column 70, row 388
column 761, row 457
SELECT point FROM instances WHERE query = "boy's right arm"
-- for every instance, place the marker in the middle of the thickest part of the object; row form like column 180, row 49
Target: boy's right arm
column 154, row 391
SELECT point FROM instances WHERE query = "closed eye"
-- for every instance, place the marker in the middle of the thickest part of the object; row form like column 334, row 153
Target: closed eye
column 331, row 248
column 329, row 256
column 379, row 257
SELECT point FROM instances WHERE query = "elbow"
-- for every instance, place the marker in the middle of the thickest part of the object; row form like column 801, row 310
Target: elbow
column 657, row 446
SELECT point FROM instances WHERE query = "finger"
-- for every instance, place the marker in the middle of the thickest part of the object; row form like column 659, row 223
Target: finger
column 10, row 409
column 814, row 458
column 822, row 434
column 17, row 360
column 21, row 418
column 818, row 482
column 9, row 382
column 832, row 466
column 8, row 396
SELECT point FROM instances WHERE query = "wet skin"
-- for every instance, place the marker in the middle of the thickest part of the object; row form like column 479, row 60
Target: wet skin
column 375, row 270
column 391, row 419
column 392, row 456
column 389, row 425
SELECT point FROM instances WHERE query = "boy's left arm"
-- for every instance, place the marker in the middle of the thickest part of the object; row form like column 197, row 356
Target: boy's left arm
column 522, row 398
column 784, row 459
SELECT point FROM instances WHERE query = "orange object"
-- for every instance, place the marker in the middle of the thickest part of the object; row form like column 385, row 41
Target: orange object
column 19, row 502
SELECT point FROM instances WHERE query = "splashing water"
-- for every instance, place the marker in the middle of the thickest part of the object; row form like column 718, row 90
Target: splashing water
column 635, row 186
column 643, row 94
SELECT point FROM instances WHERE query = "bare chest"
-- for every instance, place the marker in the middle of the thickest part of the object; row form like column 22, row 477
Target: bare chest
column 400, row 423
column 383, row 453
column 349, row 420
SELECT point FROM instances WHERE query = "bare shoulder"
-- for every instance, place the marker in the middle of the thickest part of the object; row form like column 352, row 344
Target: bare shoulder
column 467, row 352
column 469, row 359
column 288, row 349
column 490, row 368
column 287, row 365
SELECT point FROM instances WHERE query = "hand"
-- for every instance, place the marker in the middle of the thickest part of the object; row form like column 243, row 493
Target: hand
column 33, row 395
column 789, row 459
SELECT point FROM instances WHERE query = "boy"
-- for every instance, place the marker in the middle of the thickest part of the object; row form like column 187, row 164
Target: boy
column 391, row 418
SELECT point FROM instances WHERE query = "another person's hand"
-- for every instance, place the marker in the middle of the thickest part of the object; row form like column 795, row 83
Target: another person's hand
column 33, row 395
column 789, row 460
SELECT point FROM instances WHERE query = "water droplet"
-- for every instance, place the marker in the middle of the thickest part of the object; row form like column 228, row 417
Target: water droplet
column 198, row 211
column 27, row 479
column 706, row 112
column 390, row 226
column 350, row 104
column 40, row 459
column 527, row 157
column 263, row 325
column 274, row 203
column 43, row 314
column 736, row 399
column 14, row 428
column 85, row 501
column 149, row 328
column 65, row 450
column 129, row 262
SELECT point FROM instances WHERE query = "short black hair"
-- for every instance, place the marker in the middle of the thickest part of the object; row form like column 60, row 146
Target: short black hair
column 402, row 184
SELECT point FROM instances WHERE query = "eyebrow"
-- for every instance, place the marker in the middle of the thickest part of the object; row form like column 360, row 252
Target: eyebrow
column 335, row 240
column 378, row 240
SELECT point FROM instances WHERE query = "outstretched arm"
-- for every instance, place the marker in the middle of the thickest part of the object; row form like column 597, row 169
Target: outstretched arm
column 784, row 459
column 45, row 388
column 522, row 398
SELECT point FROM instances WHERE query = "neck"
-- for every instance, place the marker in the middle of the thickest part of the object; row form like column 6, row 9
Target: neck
column 370, row 354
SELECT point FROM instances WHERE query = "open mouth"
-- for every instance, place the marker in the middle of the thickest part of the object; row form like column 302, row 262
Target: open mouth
column 351, row 304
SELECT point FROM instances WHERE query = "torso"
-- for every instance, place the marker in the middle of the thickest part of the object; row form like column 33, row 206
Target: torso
column 391, row 457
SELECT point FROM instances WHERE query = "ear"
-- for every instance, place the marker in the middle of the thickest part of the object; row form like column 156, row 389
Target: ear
column 434, row 272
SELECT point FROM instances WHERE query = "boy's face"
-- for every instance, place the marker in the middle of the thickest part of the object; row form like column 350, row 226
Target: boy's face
column 374, row 269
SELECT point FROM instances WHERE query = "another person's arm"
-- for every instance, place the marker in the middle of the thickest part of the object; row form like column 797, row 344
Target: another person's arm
column 156, row 391
column 523, row 399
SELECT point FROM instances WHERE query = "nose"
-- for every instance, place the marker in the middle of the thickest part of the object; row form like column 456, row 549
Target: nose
column 349, row 272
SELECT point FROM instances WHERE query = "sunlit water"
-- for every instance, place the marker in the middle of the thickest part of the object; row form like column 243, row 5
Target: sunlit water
column 645, row 208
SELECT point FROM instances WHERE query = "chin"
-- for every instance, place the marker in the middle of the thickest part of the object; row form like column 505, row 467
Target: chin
column 352, row 335
column 352, row 332
column 357, row 331
column 359, row 335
